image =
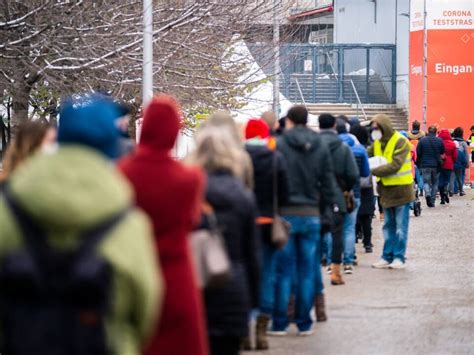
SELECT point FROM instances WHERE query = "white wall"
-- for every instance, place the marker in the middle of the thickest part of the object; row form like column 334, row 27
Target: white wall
column 356, row 21
column 403, row 47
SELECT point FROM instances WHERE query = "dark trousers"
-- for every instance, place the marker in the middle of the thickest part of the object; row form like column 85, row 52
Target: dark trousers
column 337, row 230
column 364, row 225
column 224, row 345
column 444, row 179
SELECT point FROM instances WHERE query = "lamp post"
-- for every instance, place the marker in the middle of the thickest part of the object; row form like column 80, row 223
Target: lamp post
column 147, row 84
column 276, row 59
column 147, row 51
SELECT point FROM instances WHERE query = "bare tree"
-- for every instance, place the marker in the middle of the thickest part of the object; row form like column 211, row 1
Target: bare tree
column 64, row 46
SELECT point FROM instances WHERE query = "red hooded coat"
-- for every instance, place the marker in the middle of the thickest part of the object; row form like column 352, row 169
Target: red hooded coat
column 451, row 151
column 170, row 194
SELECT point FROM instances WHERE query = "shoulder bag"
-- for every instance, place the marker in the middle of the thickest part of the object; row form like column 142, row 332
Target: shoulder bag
column 210, row 257
column 280, row 227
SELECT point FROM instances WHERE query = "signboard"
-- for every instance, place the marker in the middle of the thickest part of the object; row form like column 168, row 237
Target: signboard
column 449, row 62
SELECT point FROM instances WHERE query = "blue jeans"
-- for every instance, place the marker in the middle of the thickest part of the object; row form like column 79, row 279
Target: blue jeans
column 395, row 232
column 460, row 176
column 297, row 262
column 419, row 178
column 350, row 221
column 269, row 276
column 349, row 236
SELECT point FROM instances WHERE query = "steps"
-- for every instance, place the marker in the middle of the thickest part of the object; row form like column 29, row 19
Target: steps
column 323, row 88
column 398, row 116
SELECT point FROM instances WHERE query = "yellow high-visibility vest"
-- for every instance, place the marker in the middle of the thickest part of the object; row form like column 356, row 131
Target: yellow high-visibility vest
column 404, row 175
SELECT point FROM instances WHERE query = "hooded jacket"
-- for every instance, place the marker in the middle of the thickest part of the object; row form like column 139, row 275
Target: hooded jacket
column 361, row 158
column 266, row 163
column 170, row 194
column 345, row 167
column 310, row 172
column 415, row 135
column 71, row 191
column 392, row 196
column 451, row 152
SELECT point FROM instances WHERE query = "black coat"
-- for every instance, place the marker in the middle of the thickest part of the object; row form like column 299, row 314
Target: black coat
column 265, row 162
column 228, row 308
column 345, row 166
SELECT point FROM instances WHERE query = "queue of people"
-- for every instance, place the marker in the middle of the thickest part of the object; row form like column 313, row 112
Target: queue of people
column 95, row 252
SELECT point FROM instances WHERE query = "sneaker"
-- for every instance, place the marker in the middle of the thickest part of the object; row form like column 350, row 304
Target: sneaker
column 368, row 249
column 348, row 269
column 462, row 193
column 381, row 264
column 328, row 270
column 397, row 264
column 277, row 333
column 306, row 333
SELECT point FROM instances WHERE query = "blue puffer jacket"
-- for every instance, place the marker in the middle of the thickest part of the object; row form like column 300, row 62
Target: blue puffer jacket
column 361, row 157
column 428, row 150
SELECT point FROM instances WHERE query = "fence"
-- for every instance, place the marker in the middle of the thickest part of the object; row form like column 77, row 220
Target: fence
column 332, row 72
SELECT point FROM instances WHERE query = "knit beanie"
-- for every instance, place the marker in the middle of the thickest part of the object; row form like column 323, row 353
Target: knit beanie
column 257, row 128
column 90, row 121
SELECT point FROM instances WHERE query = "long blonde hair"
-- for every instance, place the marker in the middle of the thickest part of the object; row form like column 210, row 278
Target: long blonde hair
column 216, row 151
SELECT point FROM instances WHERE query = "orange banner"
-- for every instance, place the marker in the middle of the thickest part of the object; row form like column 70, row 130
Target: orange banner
column 416, row 76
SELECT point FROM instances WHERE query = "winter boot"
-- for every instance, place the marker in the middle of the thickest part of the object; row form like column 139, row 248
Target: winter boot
column 336, row 277
column 320, row 308
column 442, row 194
column 261, row 342
column 245, row 344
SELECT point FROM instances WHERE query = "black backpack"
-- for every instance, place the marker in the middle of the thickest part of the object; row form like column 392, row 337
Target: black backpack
column 54, row 302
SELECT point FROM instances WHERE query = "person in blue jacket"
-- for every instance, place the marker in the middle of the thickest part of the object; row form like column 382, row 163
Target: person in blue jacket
column 350, row 219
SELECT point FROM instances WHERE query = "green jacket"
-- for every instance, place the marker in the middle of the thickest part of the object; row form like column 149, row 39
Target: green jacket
column 391, row 196
column 71, row 191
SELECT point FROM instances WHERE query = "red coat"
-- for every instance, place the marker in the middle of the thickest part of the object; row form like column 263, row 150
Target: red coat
column 170, row 194
column 451, row 152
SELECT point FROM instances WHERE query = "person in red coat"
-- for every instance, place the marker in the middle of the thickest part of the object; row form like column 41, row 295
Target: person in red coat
column 450, row 157
column 170, row 194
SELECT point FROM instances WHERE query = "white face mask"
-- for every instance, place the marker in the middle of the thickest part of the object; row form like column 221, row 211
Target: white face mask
column 376, row 135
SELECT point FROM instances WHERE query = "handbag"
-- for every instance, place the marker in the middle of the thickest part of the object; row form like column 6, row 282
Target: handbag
column 280, row 227
column 212, row 264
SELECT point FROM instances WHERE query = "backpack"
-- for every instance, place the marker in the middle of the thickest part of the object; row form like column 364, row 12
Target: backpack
column 54, row 302
column 461, row 161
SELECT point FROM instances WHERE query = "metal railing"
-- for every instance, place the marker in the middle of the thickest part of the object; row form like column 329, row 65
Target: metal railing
column 370, row 69
column 300, row 91
column 359, row 103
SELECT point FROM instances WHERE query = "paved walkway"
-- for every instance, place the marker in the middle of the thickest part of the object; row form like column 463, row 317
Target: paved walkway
column 428, row 308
